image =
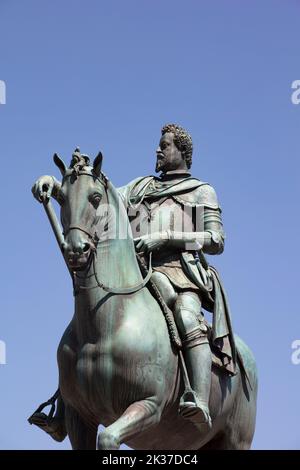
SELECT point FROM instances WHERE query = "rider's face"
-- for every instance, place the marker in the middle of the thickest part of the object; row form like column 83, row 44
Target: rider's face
column 169, row 157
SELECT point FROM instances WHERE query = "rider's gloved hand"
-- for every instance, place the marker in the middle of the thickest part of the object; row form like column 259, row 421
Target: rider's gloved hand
column 45, row 186
column 152, row 242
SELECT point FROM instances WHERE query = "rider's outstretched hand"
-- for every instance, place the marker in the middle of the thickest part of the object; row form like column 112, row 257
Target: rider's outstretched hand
column 43, row 187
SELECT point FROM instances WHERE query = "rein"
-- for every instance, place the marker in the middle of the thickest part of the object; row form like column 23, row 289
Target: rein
column 74, row 227
column 116, row 290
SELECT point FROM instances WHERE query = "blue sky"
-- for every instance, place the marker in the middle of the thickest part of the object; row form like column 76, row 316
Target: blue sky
column 107, row 75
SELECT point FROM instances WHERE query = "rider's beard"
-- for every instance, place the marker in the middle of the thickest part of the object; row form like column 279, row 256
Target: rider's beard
column 160, row 164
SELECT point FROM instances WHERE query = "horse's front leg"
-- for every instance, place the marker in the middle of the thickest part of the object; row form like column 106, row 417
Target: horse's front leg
column 82, row 437
column 138, row 417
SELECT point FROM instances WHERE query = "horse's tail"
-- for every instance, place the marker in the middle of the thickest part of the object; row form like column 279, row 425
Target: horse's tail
column 246, row 362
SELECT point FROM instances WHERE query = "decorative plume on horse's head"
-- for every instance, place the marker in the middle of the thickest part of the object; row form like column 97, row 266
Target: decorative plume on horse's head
column 79, row 161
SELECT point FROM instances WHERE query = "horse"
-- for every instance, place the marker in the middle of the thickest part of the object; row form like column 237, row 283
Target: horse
column 117, row 365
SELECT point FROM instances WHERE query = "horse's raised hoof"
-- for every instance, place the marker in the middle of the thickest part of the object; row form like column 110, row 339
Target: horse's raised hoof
column 106, row 441
column 55, row 427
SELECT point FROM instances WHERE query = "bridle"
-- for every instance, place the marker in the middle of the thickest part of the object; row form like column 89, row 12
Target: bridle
column 96, row 240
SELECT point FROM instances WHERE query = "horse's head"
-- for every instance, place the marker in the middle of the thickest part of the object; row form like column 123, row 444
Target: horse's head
column 82, row 190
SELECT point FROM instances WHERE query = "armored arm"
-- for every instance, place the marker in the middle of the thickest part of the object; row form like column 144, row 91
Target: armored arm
column 211, row 240
column 209, row 234
column 215, row 236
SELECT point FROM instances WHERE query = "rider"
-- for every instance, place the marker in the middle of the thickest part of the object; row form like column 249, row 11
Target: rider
column 177, row 218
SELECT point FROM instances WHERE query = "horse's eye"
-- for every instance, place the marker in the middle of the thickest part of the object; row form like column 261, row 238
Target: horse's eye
column 95, row 199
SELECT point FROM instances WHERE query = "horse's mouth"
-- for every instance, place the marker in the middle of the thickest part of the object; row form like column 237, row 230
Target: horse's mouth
column 79, row 262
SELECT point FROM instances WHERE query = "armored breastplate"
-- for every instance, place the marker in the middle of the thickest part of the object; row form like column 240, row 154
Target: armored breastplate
column 159, row 216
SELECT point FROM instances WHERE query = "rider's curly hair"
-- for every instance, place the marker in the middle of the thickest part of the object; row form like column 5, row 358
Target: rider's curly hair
column 182, row 140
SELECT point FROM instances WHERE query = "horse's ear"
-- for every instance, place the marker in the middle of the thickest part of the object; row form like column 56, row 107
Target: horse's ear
column 98, row 164
column 58, row 162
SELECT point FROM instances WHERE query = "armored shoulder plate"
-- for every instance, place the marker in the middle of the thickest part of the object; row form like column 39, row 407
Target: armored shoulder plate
column 204, row 195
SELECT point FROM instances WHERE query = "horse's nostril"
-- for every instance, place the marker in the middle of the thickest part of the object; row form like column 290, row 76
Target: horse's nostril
column 86, row 247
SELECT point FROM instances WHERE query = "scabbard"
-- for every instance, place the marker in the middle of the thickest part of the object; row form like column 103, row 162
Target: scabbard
column 201, row 269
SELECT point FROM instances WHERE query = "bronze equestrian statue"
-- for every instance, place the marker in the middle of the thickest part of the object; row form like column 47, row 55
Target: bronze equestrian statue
column 138, row 356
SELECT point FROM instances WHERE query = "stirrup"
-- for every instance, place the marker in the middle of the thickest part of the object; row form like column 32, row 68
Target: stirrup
column 52, row 426
column 195, row 410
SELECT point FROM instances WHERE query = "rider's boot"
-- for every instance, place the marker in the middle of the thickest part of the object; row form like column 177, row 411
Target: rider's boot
column 194, row 404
